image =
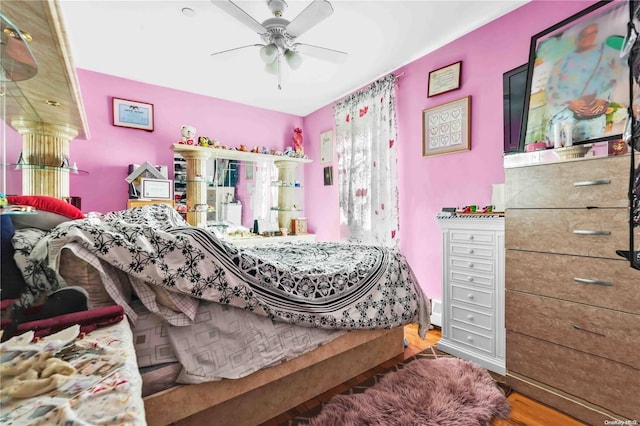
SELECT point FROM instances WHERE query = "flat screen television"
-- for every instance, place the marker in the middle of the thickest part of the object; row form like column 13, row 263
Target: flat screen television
column 514, row 87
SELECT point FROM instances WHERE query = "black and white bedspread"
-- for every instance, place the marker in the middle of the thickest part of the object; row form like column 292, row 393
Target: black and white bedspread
column 326, row 285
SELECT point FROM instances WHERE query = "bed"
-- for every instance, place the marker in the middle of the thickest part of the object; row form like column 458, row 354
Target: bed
column 99, row 392
column 289, row 312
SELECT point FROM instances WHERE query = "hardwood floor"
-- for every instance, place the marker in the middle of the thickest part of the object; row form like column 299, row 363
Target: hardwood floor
column 524, row 411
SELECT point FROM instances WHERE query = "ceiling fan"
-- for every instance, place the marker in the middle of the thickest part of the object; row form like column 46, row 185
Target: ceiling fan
column 279, row 34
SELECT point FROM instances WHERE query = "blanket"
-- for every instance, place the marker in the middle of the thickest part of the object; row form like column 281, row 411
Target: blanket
column 326, row 285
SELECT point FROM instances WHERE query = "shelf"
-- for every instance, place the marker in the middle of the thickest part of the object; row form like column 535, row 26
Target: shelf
column 71, row 170
column 282, row 185
column 232, row 154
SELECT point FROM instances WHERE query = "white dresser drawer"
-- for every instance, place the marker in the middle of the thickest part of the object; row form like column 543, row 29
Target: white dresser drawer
column 470, row 250
column 472, row 317
column 473, row 296
column 471, row 236
column 471, row 265
column 472, row 279
column 471, row 338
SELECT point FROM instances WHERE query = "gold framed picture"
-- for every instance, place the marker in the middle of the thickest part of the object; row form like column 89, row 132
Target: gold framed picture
column 447, row 128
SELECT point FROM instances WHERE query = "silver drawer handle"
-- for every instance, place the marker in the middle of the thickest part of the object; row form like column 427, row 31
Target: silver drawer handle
column 593, row 182
column 577, row 327
column 590, row 232
column 588, row 281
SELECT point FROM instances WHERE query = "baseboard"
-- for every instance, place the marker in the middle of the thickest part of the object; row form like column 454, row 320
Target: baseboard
column 436, row 312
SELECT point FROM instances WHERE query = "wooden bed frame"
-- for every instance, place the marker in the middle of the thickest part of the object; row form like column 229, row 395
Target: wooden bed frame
column 267, row 393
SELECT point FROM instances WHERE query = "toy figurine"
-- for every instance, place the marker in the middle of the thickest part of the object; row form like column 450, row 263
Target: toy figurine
column 188, row 135
column 297, row 140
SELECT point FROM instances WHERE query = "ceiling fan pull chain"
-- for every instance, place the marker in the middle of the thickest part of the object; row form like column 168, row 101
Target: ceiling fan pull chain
column 279, row 59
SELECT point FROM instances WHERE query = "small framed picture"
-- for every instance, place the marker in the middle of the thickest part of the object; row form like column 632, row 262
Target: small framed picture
column 136, row 115
column 328, row 175
column 444, row 79
column 299, row 225
column 326, row 147
column 156, row 189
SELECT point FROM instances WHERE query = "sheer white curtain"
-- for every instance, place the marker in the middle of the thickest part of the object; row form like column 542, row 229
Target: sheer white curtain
column 366, row 133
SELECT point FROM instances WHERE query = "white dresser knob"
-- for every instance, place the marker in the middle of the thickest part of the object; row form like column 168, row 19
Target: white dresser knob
column 470, row 296
column 470, row 338
column 470, row 317
column 471, row 237
column 470, row 251
column 470, row 279
column 470, row 265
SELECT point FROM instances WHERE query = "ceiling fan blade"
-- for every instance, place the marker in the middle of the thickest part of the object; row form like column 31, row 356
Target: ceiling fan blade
column 316, row 12
column 234, row 10
column 331, row 55
column 236, row 48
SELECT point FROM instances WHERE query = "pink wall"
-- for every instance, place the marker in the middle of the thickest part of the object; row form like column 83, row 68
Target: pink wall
column 110, row 149
column 427, row 184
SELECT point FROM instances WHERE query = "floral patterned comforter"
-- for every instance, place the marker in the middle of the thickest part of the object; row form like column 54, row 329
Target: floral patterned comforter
column 327, row 285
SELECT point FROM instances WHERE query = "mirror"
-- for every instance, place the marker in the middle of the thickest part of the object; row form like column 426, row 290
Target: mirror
column 18, row 63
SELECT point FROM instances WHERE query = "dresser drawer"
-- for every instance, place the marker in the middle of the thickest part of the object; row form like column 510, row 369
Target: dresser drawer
column 599, row 381
column 472, row 264
column 471, row 278
column 472, row 338
column 472, row 317
column 608, row 283
column 472, row 236
column 472, row 296
column 597, row 182
column 603, row 332
column 586, row 232
column 475, row 251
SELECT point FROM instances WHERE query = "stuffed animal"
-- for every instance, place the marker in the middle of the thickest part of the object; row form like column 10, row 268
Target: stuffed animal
column 204, row 141
column 188, row 135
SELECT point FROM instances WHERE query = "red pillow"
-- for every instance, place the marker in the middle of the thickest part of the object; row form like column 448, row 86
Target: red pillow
column 47, row 204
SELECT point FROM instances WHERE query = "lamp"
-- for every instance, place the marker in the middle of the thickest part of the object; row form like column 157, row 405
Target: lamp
column 293, row 59
column 268, row 53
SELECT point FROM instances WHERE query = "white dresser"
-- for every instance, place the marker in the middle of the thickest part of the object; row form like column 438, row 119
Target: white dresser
column 473, row 290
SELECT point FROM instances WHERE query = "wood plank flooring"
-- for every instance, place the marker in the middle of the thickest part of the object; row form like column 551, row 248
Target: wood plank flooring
column 524, row 411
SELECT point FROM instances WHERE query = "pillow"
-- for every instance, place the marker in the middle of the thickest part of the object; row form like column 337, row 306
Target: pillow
column 51, row 212
column 47, row 204
column 12, row 282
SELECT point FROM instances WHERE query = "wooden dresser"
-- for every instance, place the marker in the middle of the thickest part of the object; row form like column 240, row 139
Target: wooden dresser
column 572, row 308
column 473, row 290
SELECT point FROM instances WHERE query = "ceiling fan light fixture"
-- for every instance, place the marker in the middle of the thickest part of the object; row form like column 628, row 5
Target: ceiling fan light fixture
column 269, row 53
column 271, row 68
column 293, row 59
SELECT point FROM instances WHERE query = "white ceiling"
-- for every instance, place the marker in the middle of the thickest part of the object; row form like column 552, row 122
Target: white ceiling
column 154, row 42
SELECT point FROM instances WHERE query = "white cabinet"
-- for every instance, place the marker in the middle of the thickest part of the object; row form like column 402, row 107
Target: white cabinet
column 473, row 290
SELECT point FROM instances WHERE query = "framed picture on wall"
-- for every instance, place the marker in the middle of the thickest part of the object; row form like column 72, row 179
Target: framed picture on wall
column 328, row 175
column 446, row 128
column 444, row 79
column 326, row 147
column 133, row 114
column 577, row 84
